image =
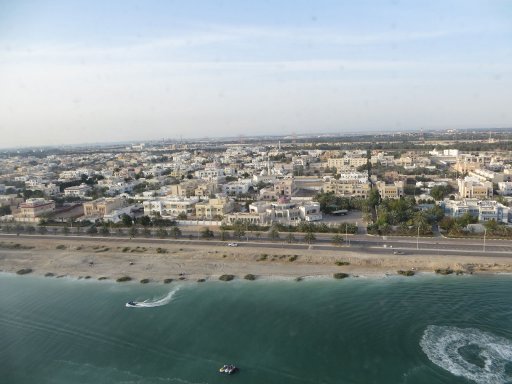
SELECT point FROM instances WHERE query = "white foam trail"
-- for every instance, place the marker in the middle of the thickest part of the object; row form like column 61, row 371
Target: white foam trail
column 150, row 303
column 443, row 347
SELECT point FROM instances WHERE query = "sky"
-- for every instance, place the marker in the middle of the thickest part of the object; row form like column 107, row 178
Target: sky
column 75, row 72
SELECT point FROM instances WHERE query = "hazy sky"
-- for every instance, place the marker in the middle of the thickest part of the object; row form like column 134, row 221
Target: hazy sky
column 94, row 71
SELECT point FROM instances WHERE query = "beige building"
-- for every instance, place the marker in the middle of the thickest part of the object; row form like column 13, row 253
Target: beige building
column 348, row 188
column 102, row 206
column 470, row 187
column 33, row 208
column 173, row 206
column 390, row 191
column 214, row 207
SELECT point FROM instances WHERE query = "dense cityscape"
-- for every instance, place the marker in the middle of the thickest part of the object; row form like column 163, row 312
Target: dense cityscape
column 404, row 184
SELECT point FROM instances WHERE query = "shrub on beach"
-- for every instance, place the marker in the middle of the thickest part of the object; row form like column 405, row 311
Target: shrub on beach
column 340, row 263
column 226, row 277
column 405, row 273
column 341, row 275
column 123, row 279
column 250, row 276
column 144, row 281
column 167, row 281
column 24, row 271
column 60, row 246
column 444, row 271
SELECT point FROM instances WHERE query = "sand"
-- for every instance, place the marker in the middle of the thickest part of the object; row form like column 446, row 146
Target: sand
column 158, row 261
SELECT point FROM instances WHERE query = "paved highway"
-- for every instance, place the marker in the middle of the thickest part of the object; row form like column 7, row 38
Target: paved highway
column 370, row 244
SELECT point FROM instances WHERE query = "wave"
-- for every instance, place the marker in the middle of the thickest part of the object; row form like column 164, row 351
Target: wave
column 150, row 303
column 468, row 352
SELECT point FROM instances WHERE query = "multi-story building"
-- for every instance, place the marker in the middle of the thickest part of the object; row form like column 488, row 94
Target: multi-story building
column 77, row 191
column 484, row 210
column 218, row 207
column 471, row 187
column 237, row 187
column 33, row 208
column 171, row 206
column 505, row 188
column 103, row 206
column 390, row 191
column 348, row 188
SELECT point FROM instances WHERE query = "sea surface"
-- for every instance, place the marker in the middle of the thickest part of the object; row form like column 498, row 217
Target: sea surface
column 421, row 330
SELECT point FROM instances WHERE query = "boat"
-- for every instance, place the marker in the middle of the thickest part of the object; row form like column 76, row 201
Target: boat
column 228, row 369
column 132, row 304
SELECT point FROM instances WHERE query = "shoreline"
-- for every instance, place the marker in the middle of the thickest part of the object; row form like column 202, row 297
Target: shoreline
column 102, row 260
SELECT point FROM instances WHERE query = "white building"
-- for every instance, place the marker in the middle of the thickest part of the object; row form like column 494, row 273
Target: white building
column 78, row 190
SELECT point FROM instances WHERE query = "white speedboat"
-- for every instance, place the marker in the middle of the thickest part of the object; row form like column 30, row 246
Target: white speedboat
column 131, row 304
column 228, row 369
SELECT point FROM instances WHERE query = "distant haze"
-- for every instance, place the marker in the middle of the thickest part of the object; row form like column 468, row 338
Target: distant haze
column 96, row 71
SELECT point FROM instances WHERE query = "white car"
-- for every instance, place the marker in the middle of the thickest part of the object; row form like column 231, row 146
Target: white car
column 232, row 245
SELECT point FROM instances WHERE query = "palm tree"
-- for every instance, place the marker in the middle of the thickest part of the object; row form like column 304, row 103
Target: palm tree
column 309, row 237
column 290, row 238
column 224, row 235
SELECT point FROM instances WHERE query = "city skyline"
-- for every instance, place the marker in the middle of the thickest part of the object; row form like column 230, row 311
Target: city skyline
column 92, row 72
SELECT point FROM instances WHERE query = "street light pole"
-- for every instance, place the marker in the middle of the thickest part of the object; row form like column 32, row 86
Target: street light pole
column 485, row 233
column 418, row 239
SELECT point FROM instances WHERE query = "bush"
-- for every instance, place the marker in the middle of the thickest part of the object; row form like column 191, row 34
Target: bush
column 161, row 250
column 49, row 274
column 201, row 280
column 123, row 279
column 341, row 275
column 250, row 276
column 24, row 271
column 405, row 273
column 294, row 257
column 340, row 263
column 102, row 278
column 444, row 271
column 60, row 246
column 144, row 281
column 226, row 277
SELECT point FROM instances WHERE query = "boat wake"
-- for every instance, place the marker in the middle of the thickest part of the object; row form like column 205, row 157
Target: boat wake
column 468, row 352
column 150, row 303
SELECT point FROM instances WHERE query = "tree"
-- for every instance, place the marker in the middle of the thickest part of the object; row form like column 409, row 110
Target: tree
column 491, row 225
column 182, row 216
column 30, row 229
column 65, row 231
column 238, row 231
column 42, row 230
column 439, row 192
column 145, row 221
column 274, row 233
column 224, row 235
column 206, row 233
column 134, row 231
column 92, row 230
column 290, row 238
column 127, row 220
column 104, row 231
column 5, row 210
column 162, row 233
column 309, row 237
column 175, row 232
column 337, row 239
column 146, row 232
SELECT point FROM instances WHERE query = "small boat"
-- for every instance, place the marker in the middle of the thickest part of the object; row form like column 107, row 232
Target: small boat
column 228, row 369
column 131, row 304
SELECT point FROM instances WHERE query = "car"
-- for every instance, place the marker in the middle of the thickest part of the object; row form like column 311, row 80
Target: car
column 232, row 245
column 398, row 253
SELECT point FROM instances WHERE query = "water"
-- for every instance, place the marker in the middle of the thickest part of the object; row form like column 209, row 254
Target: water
column 426, row 329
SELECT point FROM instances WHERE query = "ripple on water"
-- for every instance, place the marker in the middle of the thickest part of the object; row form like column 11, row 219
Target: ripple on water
column 468, row 352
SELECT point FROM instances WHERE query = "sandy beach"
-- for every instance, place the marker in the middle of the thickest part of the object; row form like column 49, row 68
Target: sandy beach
column 158, row 261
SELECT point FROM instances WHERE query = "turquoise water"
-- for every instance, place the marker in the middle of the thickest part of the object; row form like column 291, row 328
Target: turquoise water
column 426, row 329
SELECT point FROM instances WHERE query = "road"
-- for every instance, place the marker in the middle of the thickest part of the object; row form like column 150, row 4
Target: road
column 370, row 244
